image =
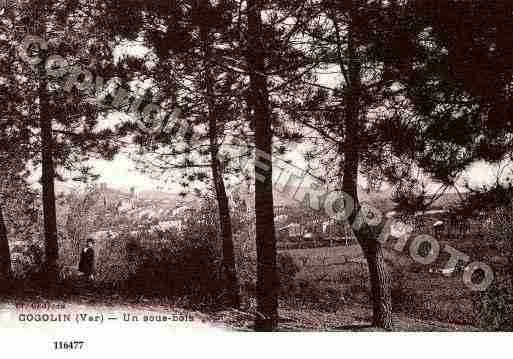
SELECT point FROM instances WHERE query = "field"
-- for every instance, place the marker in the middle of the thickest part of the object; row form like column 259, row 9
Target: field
column 330, row 291
column 419, row 292
column 322, row 288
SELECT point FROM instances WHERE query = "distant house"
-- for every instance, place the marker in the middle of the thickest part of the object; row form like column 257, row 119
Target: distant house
column 281, row 210
column 431, row 213
column 126, row 206
column 391, row 214
column 329, row 227
column 308, row 236
column 168, row 225
column 18, row 246
column 400, row 229
column 148, row 214
column 337, row 230
column 281, row 218
column 334, row 227
column 291, row 231
column 183, row 211
column 103, row 235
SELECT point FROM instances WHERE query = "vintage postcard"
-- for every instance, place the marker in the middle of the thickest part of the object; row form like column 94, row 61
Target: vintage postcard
column 180, row 168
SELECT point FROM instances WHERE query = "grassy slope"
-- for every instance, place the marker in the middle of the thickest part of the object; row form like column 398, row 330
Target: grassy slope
column 418, row 294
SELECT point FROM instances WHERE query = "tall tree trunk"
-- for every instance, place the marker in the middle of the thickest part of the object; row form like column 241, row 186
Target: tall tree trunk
column 379, row 279
column 5, row 253
column 509, row 216
column 225, row 222
column 230, row 272
column 367, row 238
column 267, row 277
column 48, row 179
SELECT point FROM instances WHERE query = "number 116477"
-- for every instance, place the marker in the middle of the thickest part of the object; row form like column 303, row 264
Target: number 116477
column 68, row 345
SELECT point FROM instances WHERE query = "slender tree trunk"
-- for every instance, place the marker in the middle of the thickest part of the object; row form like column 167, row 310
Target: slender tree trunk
column 225, row 222
column 5, row 253
column 267, row 278
column 510, row 268
column 510, row 244
column 48, row 179
column 379, row 280
column 231, row 281
column 368, row 239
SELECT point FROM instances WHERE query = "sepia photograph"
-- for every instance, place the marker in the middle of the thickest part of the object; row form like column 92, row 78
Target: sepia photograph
column 235, row 166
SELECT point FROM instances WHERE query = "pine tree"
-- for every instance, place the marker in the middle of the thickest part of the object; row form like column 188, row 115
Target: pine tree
column 50, row 36
column 188, row 77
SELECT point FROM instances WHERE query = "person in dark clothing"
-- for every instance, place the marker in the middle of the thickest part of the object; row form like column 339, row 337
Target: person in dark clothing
column 86, row 265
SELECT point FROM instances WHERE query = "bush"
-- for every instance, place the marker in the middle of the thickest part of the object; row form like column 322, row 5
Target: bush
column 403, row 299
column 287, row 267
column 307, row 294
column 28, row 263
column 245, row 257
column 500, row 230
column 495, row 305
column 451, row 306
column 494, row 308
column 177, row 267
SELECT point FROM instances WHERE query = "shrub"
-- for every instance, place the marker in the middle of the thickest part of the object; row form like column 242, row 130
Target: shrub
column 287, row 270
column 494, row 308
column 112, row 264
column 175, row 267
column 499, row 228
column 312, row 295
column 450, row 306
column 402, row 298
column 287, row 267
column 28, row 263
column 495, row 305
column 245, row 257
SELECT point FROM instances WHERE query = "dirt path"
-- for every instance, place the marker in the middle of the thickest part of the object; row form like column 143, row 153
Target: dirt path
column 84, row 317
column 354, row 319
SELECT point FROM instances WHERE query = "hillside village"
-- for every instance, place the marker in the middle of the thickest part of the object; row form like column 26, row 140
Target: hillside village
column 297, row 225
column 137, row 211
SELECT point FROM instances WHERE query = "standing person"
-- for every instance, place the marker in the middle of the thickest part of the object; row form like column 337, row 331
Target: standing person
column 86, row 265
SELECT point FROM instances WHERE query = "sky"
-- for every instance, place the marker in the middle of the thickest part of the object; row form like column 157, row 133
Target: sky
column 121, row 174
